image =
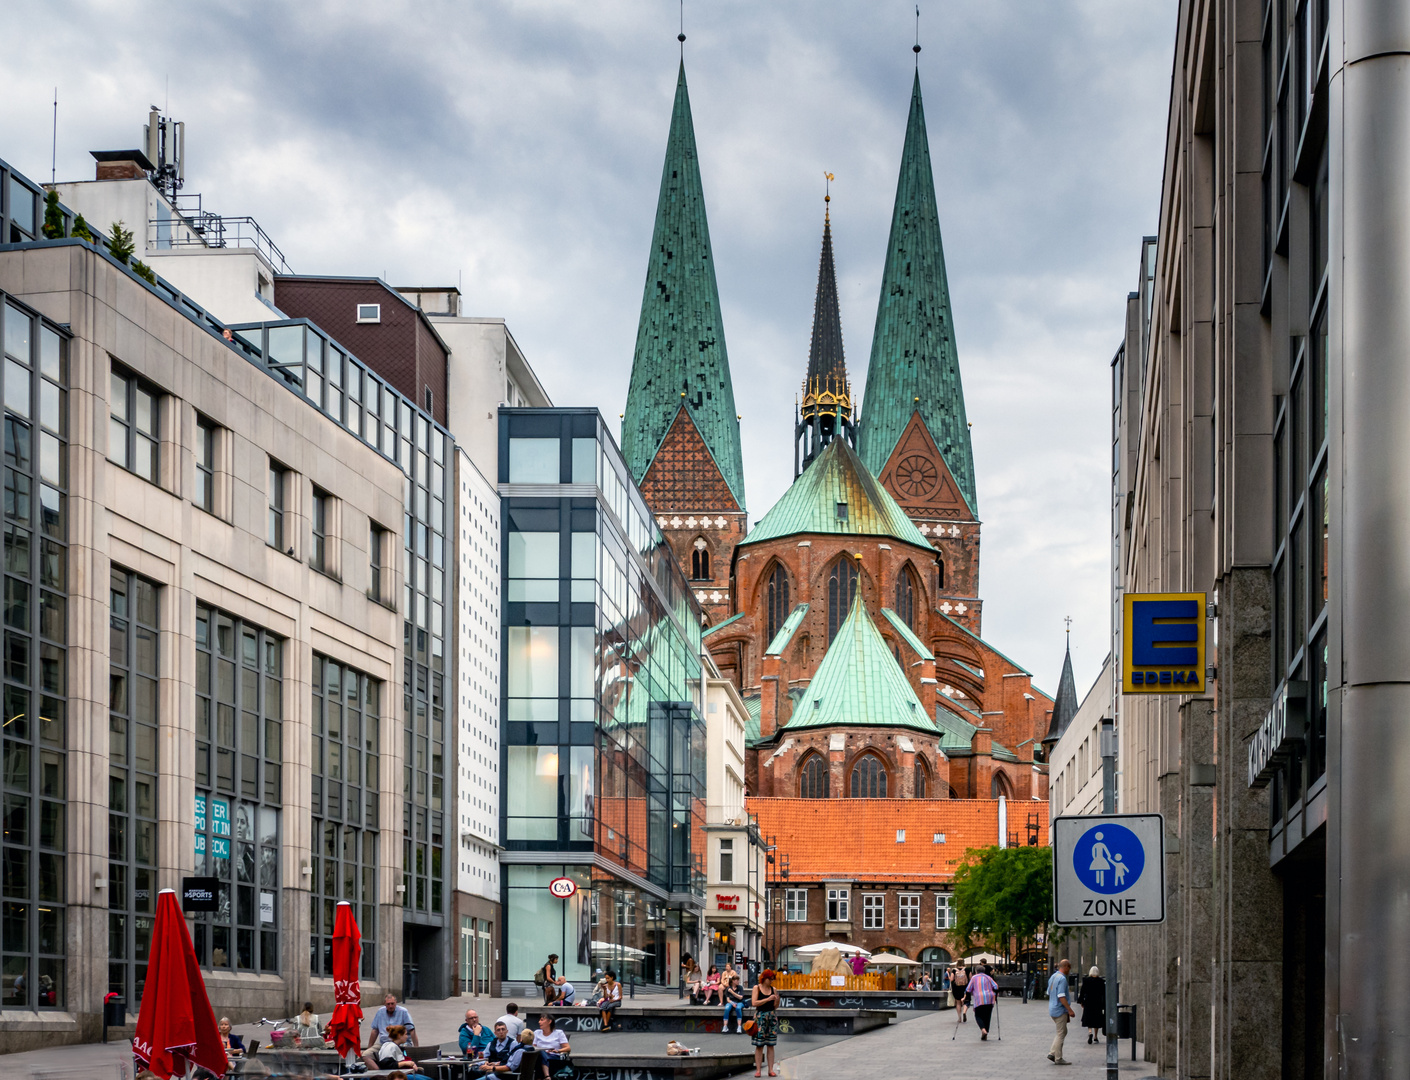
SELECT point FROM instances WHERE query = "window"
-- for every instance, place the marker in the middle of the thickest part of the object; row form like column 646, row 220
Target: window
column 204, row 496
column 777, row 600
column 700, row 561
column 369, row 313
column 841, row 589
column 908, row 914
column 795, row 905
column 345, row 807
column 278, row 481
column 813, row 779
column 842, row 511
column 376, row 537
column 837, row 905
column 321, row 558
column 727, row 860
column 132, row 427
column 239, row 789
column 132, row 780
column 906, row 598
column 873, row 911
column 1000, row 786
column 869, row 778
column 940, row 573
column 922, row 780
column 944, row 912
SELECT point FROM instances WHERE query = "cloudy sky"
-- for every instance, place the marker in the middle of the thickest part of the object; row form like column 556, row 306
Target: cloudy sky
column 515, row 148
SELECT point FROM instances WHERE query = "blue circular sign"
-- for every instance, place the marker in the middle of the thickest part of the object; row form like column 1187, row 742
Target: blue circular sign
column 1108, row 858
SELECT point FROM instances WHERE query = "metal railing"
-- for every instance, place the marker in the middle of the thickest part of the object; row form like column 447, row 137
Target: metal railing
column 193, row 226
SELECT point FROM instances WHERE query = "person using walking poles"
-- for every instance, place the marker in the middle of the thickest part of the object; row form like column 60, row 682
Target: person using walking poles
column 982, row 992
column 1060, row 1009
column 765, row 1000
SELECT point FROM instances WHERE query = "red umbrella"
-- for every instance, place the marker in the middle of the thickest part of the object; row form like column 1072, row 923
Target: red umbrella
column 346, row 1027
column 176, row 1024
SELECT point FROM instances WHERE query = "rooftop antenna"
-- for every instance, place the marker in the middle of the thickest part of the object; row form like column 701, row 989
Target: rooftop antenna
column 681, row 36
column 916, row 48
column 54, row 151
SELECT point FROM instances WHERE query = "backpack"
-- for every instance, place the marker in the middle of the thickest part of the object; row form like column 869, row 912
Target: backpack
column 538, row 977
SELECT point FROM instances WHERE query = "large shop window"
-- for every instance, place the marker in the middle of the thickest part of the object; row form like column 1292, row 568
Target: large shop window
column 239, row 789
column 346, row 807
column 132, row 779
column 33, row 781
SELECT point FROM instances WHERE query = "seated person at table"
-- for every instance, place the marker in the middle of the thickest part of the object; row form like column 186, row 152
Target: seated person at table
column 390, row 1054
column 474, row 1036
column 502, row 1055
column 550, row 1042
column 234, row 1044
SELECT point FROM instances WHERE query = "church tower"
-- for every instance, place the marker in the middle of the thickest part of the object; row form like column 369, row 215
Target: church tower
column 912, row 432
column 827, row 395
column 680, row 432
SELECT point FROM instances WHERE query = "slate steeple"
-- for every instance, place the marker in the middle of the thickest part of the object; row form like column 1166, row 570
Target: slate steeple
column 914, row 365
column 680, row 371
column 1065, row 704
column 827, row 395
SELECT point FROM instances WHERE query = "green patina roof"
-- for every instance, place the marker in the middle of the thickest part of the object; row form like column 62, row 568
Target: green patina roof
column 720, row 626
column 859, row 682
column 913, row 346
column 810, row 505
column 899, row 625
column 787, row 630
column 680, row 354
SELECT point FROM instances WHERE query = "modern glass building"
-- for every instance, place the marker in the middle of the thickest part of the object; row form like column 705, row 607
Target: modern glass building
column 603, row 747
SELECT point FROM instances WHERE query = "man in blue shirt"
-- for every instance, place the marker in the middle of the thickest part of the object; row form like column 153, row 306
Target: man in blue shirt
column 391, row 1013
column 1060, row 1010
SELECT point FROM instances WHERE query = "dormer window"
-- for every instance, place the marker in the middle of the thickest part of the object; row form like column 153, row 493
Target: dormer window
column 841, row 511
column 369, row 313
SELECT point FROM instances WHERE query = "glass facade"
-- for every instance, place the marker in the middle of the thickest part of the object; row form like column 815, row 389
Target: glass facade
column 604, row 748
column 239, row 789
column 132, row 779
column 33, row 777
column 345, row 762
column 352, row 394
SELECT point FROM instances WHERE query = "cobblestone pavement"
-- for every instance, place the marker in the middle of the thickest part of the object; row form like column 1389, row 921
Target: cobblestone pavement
column 918, row 1044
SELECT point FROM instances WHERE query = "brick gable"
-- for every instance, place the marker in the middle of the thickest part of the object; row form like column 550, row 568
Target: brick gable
column 918, row 478
column 683, row 476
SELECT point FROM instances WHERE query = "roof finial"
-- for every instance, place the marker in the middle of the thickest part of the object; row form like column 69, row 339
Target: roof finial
column 681, row 36
column 1068, row 620
column 916, row 48
column 828, row 178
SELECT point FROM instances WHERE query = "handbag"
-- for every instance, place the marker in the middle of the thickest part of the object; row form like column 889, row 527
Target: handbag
column 750, row 1026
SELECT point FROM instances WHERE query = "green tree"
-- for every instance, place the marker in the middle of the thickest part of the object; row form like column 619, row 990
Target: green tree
column 145, row 272
column 82, row 231
column 1003, row 897
column 53, row 217
column 120, row 243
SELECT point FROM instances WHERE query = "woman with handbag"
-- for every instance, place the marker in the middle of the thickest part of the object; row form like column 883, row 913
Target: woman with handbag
column 765, row 1000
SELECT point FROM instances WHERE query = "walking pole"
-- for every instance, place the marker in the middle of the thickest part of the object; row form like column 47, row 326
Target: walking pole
column 998, row 1031
column 957, row 1022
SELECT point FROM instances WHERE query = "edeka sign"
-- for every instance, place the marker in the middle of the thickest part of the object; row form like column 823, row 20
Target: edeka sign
column 1163, row 643
column 1282, row 729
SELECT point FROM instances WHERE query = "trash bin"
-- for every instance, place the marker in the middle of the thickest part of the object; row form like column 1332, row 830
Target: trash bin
column 1125, row 1021
column 114, row 1013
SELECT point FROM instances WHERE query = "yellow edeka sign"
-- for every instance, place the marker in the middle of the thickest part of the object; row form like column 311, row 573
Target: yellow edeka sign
column 1163, row 643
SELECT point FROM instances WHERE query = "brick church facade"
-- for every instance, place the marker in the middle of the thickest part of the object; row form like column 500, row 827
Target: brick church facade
column 849, row 615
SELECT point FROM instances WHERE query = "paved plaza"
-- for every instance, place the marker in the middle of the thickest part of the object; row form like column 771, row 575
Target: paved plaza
column 920, row 1045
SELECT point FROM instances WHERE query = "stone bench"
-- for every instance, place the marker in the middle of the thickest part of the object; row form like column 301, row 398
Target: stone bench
column 647, row 1018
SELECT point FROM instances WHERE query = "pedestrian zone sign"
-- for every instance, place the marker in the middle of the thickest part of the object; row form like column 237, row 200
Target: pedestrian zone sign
column 1109, row 869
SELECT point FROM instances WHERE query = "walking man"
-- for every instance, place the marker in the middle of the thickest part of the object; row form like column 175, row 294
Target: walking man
column 1060, row 1009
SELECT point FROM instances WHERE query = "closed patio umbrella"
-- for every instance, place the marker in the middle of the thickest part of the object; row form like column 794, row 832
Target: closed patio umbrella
column 886, row 959
column 176, row 1026
column 346, row 1027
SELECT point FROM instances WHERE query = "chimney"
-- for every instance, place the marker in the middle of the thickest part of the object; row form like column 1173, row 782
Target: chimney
column 121, row 164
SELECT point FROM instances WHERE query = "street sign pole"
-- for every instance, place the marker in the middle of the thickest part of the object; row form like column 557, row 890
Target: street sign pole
column 1112, row 974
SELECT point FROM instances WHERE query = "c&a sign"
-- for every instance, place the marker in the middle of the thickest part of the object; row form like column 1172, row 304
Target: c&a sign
column 1163, row 643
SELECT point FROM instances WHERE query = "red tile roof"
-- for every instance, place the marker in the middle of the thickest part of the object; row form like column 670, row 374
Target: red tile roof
column 856, row 839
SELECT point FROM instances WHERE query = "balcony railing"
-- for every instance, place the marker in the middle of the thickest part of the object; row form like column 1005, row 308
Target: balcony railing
column 193, row 226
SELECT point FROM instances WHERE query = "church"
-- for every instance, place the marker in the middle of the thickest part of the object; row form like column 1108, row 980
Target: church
column 849, row 614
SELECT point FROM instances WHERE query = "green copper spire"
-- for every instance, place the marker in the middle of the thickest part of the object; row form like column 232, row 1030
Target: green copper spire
column 680, row 354
column 914, row 364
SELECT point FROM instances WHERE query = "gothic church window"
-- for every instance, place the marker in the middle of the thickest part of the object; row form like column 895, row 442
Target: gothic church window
column 813, row 782
column 776, row 600
column 906, row 598
column 700, row 561
column 922, row 780
column 869, row 778
column 841, row 588
column 1000, row 786
column 940, row 573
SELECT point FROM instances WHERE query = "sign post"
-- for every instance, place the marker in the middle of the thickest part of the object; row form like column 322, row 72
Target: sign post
column 1109, row 869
